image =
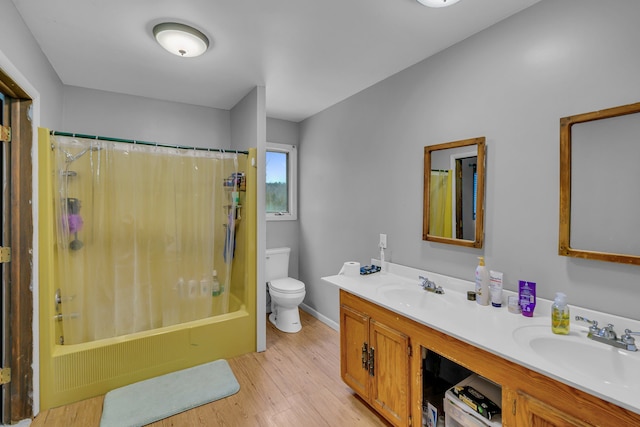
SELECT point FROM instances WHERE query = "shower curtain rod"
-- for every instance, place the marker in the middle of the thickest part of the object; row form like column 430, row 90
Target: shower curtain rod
column 134, row 141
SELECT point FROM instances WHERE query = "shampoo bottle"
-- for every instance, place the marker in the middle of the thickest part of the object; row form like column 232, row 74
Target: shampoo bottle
column 216, row 291
column 560, row 318
column 482, row 283
column 215, row 285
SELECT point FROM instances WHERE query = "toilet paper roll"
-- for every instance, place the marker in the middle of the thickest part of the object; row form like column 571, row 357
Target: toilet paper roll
column 350, row 269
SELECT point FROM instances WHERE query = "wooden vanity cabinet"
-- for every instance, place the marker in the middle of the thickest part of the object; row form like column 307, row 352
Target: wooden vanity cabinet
column 374, row 358
column 530, row 411
column 529, row 399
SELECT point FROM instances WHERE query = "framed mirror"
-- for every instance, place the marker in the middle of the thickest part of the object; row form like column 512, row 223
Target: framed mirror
column 453, row 194
column 599, row 175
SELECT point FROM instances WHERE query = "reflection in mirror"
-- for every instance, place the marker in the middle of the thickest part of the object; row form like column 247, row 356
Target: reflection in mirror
column 599, row 203
column 453, row 208
column 452, row 192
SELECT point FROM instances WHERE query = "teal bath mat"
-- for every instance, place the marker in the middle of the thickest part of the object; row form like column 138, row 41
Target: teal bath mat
column 154, row 399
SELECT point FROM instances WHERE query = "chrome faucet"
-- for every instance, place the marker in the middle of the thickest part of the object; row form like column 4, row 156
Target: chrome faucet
column 628, row 340
column 608, row 336
column 430, row 286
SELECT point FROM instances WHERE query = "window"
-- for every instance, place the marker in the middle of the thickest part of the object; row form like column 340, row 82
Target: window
column 281, row 170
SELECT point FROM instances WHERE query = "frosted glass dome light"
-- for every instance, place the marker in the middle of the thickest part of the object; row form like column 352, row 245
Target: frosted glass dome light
column 181, row 40
column 438, row 3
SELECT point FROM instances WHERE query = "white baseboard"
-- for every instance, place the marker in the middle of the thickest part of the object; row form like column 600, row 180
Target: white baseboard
column 324, row 319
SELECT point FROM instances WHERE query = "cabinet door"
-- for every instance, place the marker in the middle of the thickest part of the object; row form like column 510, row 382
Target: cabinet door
column 354, row 347
column 535, row 413
column 390, row 379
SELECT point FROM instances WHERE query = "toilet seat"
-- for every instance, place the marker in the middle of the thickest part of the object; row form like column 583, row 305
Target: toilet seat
column 287, row 285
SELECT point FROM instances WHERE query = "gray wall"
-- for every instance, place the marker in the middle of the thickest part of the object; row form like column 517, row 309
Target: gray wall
column 247, row 117
column 361, row 166
column 22, row 59
column 249, row 130
column 116, row 115
column 284, row 233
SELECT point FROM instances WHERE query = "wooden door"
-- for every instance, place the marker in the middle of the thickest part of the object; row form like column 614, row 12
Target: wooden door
column 17, row 234
column 532, row 412
column 390, row 379
column 354, row 347
column 5, row 361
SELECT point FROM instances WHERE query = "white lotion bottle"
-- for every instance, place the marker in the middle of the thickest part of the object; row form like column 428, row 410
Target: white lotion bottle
column 482, row 283
column 495, row 288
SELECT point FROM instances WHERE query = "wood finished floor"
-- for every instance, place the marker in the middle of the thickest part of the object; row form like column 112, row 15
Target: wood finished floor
column 296, row 382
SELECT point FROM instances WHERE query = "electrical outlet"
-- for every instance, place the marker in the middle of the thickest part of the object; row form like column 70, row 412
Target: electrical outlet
column 383, row 241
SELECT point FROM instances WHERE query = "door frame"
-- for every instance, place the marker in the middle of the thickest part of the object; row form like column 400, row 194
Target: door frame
column 456, row 161
column 18, row 394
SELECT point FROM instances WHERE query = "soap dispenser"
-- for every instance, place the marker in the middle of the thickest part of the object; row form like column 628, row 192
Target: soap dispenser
column 560, row 318
column 482, row 283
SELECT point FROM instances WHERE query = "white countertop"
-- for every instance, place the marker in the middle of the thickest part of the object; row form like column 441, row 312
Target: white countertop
column 498, row 331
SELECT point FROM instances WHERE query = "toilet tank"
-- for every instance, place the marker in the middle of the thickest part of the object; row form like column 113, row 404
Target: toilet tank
column 277, row 263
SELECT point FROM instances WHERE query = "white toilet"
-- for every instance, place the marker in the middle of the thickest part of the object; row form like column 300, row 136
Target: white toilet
column 286, row 292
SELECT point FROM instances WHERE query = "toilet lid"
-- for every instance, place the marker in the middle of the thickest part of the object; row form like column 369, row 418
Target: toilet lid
column 288, row 285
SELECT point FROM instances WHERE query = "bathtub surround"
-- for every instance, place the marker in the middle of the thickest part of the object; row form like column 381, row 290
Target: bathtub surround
column 158, row 221
column 72, row 372
column 157, row 398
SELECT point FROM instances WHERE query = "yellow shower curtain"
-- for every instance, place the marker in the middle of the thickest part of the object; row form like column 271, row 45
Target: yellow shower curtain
column 141, row 230
column 440, row 222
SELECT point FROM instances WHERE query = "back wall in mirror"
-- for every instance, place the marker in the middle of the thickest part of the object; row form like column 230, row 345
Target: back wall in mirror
column 599, row 173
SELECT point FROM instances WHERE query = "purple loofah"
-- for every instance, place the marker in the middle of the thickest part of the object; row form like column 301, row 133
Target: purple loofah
column 75, row 223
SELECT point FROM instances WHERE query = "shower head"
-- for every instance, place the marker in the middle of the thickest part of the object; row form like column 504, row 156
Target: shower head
column 73, row 157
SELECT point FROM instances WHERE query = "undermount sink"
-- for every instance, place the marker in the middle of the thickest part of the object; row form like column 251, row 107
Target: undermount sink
column 577, row 353
column 412, row 295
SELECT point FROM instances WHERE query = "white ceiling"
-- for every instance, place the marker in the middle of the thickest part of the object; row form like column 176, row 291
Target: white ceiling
column 309, row 54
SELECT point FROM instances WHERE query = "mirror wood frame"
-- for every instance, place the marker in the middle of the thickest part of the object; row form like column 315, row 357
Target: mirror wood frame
column 479, row 231
column 564, row 240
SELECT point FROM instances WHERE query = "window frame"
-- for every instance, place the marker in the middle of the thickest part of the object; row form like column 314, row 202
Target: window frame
column 292, row 178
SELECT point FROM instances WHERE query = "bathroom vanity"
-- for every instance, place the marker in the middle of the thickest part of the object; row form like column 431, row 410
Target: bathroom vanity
column 388, row 323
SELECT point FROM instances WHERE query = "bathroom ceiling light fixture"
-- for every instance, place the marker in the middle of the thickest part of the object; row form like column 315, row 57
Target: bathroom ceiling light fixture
column 180, row 39
column 438, row 3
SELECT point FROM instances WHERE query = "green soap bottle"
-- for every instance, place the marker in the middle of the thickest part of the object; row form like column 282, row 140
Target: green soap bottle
column 216, row 289
column 560, row 318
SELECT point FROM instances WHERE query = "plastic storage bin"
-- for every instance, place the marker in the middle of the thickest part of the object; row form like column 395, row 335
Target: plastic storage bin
column 459, row 414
